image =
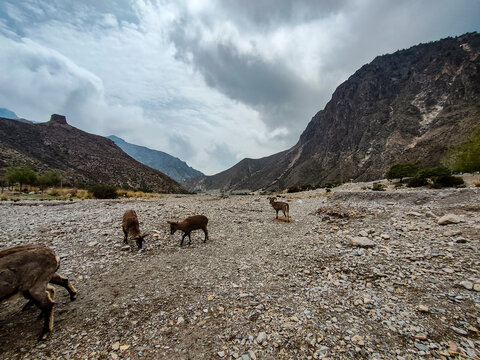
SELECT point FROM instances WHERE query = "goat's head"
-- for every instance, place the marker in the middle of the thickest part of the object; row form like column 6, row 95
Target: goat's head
column 173, row 226
column 272, row 200
column 139, row 239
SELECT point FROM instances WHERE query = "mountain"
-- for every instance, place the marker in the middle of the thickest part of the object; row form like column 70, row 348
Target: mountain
column 80, row 157
column 172, row 166
column 5, row 113
column 413, row 105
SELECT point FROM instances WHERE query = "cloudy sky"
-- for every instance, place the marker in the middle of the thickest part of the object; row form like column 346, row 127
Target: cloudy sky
column 208, row 81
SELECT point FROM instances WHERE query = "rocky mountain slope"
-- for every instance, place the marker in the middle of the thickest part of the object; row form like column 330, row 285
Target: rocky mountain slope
column 80, row 157
column 166, row 163
column 412, row 105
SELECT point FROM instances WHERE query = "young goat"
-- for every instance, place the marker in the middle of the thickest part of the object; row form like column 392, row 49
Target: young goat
column 191, row 223
column 131, row 227
column 279, row 205
column 28, row 270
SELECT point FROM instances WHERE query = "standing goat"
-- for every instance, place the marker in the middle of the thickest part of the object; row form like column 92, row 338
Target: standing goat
column 28, row 270
column 191, row 223
column 279, row 205
column 131, row 227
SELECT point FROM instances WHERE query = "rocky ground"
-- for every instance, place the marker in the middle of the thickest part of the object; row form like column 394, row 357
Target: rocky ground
column 354, row 274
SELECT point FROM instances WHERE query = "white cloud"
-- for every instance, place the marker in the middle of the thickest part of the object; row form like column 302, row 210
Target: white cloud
column 208, row 81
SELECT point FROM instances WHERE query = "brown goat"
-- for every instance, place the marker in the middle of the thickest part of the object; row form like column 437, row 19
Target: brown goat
column 28, row 270
column 279, row 205
column 131, row 227
column 191, row 223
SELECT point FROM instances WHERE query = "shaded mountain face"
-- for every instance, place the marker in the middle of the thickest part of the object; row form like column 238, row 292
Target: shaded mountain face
column 412, row 105
column 169, row 165
column 80, row 157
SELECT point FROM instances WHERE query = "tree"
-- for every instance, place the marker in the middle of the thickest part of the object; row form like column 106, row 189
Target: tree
column 49, row 178
column 400, row 170
column 24, row 175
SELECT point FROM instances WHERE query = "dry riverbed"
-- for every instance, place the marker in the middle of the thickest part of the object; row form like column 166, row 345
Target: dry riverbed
column 355, row 274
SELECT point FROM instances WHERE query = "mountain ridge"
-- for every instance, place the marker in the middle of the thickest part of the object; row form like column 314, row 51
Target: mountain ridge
column 162, row 161
column 80, row 157
column 411, row 105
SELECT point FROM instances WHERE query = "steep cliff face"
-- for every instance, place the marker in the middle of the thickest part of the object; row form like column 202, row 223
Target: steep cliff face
column 80, row 157
column 412, row 105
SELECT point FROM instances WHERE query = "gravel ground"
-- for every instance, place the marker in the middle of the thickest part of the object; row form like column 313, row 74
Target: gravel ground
column 355, row 275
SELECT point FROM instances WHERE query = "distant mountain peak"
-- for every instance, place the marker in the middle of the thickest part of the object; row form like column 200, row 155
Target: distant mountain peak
column 166, row 163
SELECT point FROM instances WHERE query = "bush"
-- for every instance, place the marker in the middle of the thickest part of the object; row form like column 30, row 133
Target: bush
column 400, row 170
column 101, row 191
column 434, row 172
column 417, row 182
column 447, row 181
column 49, row 178
column 378, row 187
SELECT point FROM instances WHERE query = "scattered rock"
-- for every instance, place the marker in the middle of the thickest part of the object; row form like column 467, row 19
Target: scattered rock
column 363, row 242
column 448, row 219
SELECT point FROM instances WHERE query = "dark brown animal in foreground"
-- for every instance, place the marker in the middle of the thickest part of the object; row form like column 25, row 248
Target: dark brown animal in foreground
column 131, row 227
column 28, row 270
column 191, row 223
column 279, row 205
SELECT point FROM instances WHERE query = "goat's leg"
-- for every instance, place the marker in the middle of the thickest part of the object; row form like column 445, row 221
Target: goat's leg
column 183, row 237
column 64, row 282
column 189, row 239
column 43, row 298
column 125, row 237
column 206, row 234
column 277, row 215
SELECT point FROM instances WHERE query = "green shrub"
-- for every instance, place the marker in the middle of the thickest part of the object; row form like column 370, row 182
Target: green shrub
column 400, row 170
column 447, row 181
column 101, row 191
column 434, row 172
column 417, row 182
column 378, row 187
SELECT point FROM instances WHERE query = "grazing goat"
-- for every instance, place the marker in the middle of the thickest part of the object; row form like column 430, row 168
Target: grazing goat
column 130, row 227
column 279, row 205
column 28, row 270
column 191, row 223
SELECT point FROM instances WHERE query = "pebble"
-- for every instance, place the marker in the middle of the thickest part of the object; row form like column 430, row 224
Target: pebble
column 448, row 219
column 361, row 241
column 261, row 338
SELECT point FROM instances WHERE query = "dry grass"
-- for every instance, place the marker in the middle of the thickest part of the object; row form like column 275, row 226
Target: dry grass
column 136, row 194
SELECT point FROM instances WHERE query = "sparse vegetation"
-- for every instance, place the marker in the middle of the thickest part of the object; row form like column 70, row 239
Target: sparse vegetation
column 102, row 191
column 378, row 187
column 465, row 157
column 401, row 170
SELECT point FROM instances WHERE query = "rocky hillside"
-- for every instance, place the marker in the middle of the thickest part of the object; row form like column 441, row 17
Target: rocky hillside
column 166, row 163
column 412, row 105
column 80, row 157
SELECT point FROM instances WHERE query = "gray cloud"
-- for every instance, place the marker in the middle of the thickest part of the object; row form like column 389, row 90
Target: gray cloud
column 208, row 81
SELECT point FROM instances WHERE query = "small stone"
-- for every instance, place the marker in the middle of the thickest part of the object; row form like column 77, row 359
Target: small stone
column 180, row 320
column 261, row 337
column 357, row 340
column 385, row 236
column 467, row 284
column 221, row 354
column 114, row 356
column 452, row 348
column 476, row 287
column 459, row 331
column 452, row 233
column 363, row 233
column 210, row 297
column 245, row 357
column 420, row 346
column 420, row 336
column 361, row 241
column 124, row 347
column 448, row 219
column 116, row 346
column 423, row 308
